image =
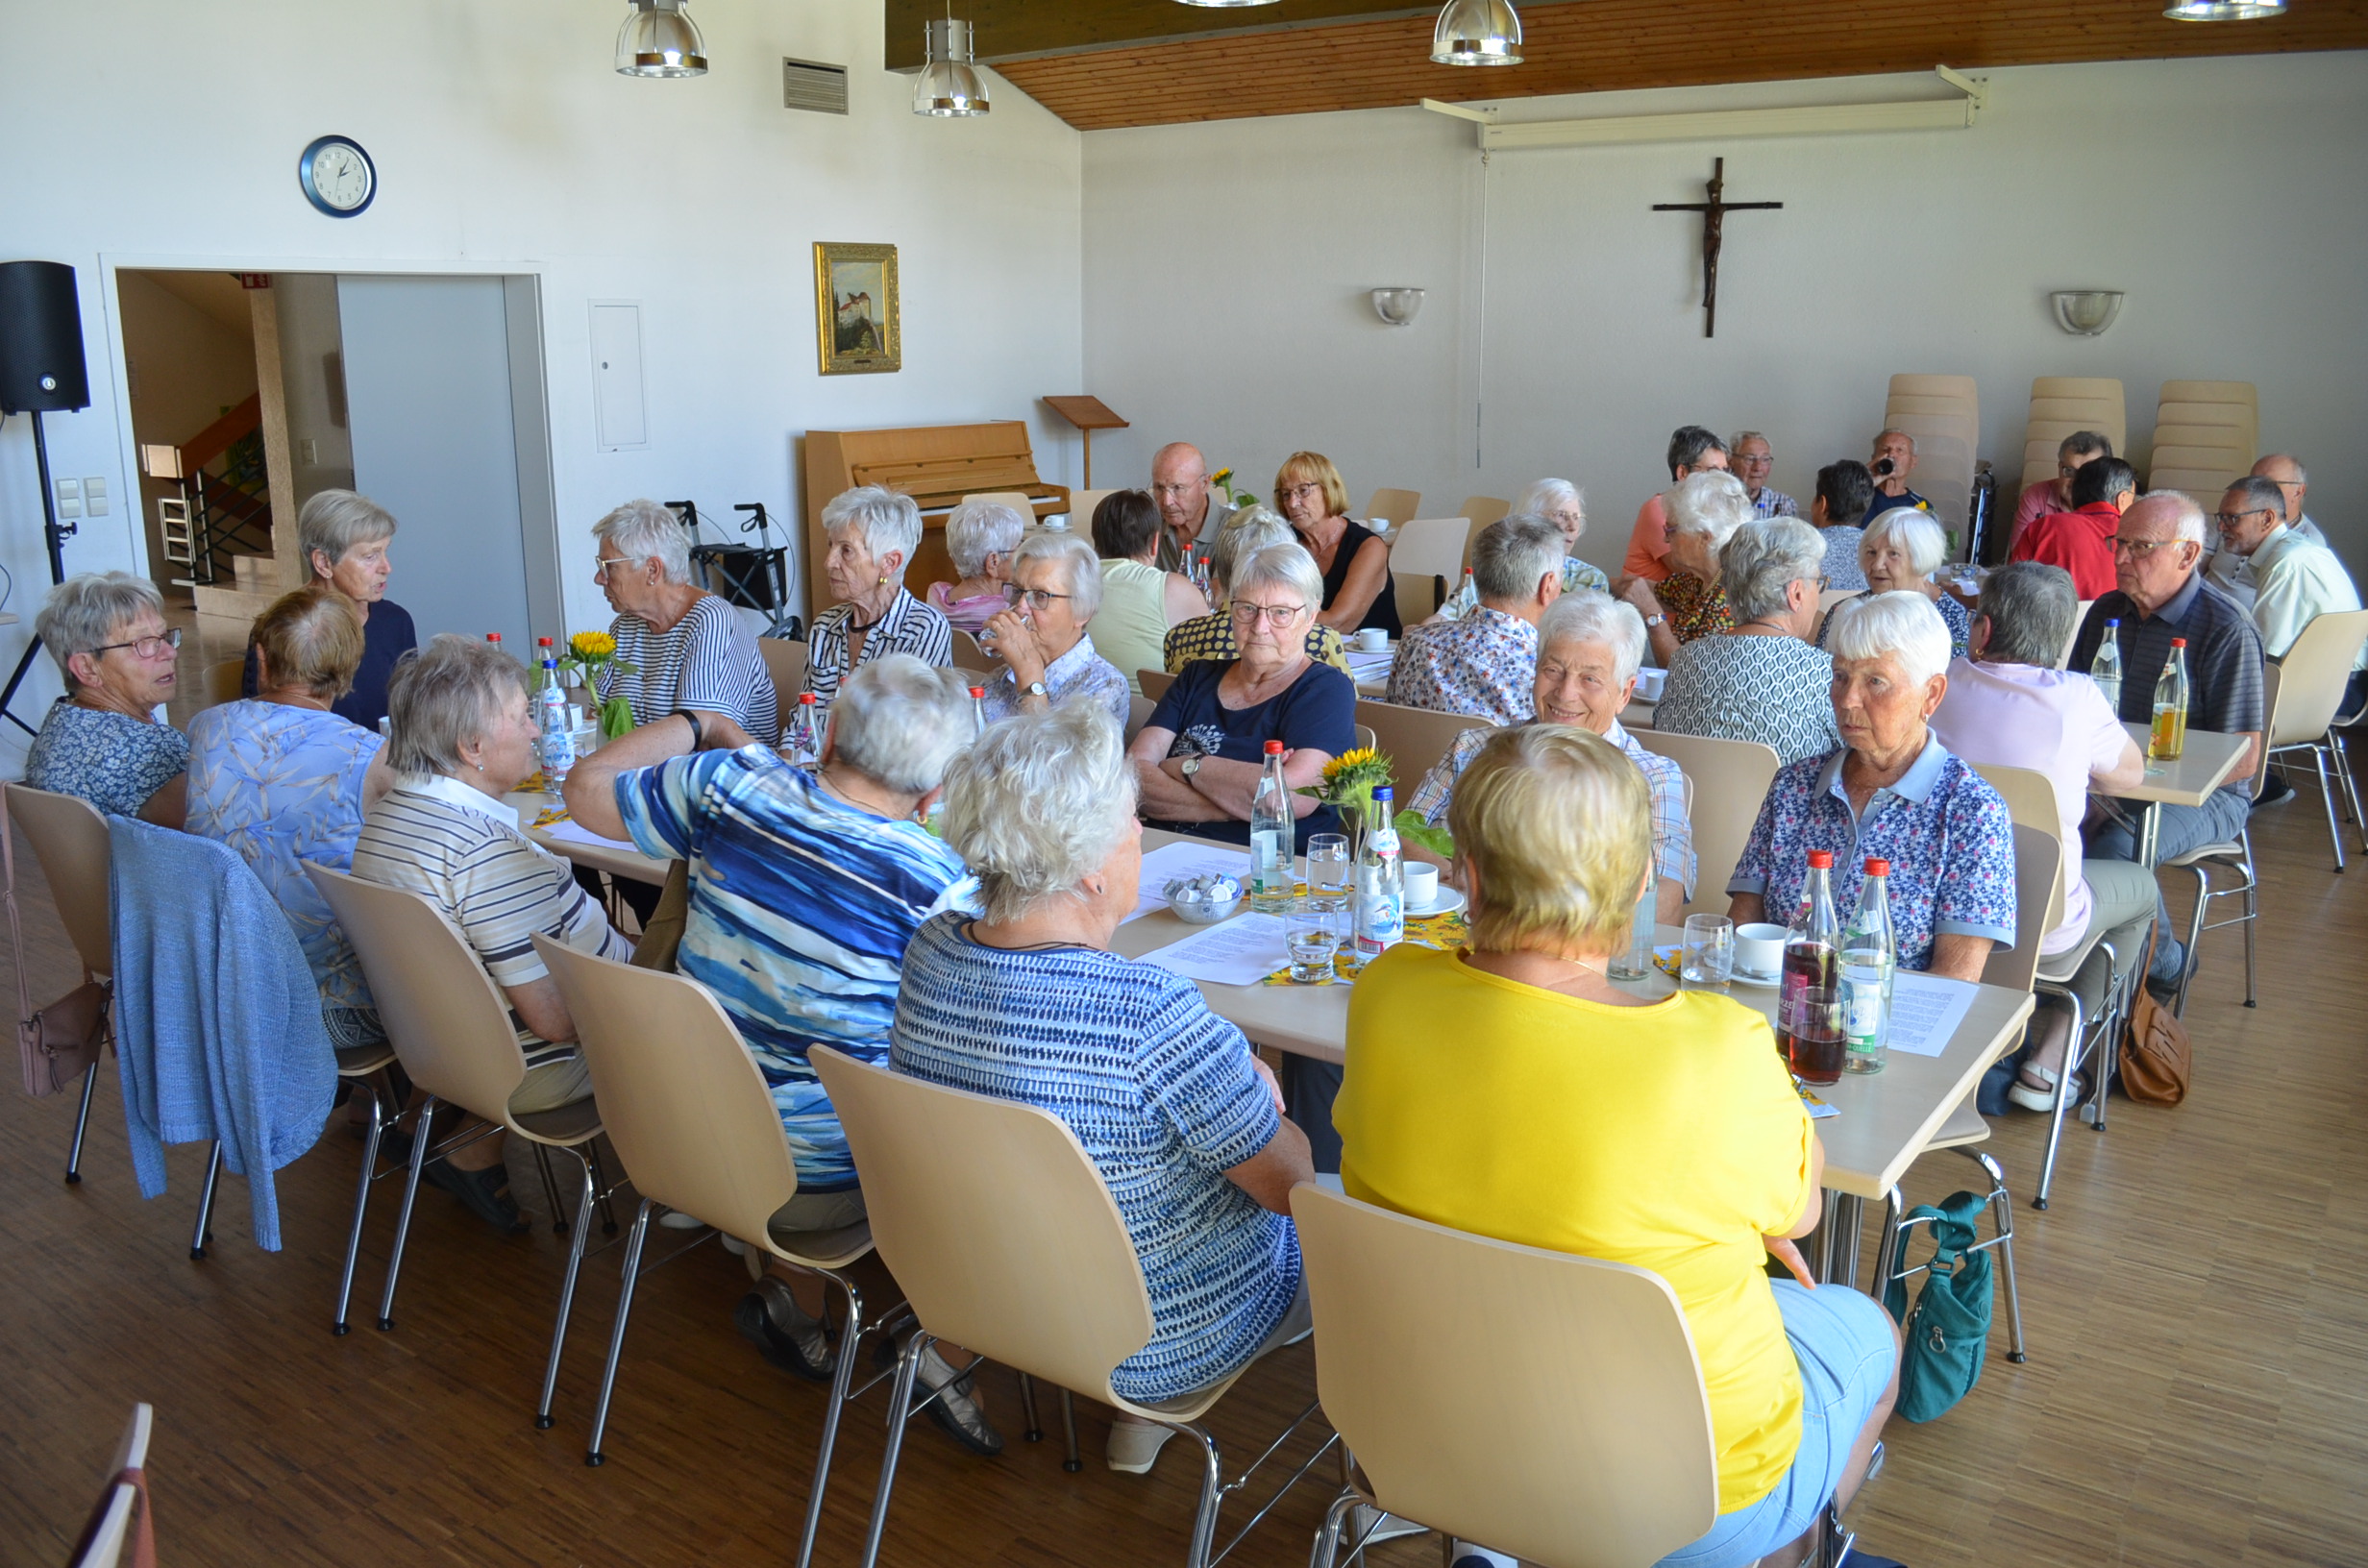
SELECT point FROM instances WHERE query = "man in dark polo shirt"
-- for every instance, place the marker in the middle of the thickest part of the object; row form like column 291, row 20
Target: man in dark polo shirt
column 2159, row 595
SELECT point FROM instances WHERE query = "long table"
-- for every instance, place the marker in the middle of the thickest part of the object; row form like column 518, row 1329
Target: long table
column 626, row 862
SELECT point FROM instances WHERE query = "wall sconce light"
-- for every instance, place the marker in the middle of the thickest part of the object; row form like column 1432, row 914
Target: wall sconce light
column 949, row 85
column 660, row 38
column 2086, row 312
column 1397, row 307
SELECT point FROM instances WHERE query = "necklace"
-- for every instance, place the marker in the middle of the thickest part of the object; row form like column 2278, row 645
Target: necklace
column 1760, row 621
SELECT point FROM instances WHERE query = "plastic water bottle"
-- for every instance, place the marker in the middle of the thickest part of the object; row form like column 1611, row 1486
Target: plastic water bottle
column 558, row 736
column 1869, row 959
column 979, row 712
column 801, row 742
column 2168, row 738
column 2106, row 670
column 1381, row 884
column 1272, row 825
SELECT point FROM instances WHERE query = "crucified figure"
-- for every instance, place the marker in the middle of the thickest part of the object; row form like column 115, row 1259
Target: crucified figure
column 1714, row 234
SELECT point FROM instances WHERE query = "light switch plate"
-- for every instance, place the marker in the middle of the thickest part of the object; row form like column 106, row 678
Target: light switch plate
column 94, row 497
column 69, row 497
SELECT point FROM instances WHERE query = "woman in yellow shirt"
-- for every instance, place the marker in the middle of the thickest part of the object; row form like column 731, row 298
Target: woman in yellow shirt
column 1511, row 1091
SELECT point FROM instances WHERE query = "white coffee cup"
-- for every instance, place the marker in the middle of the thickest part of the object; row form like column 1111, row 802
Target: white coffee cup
column 1759, row 950
column 1421, row 886
column 1371, row 639
column 1649, row 684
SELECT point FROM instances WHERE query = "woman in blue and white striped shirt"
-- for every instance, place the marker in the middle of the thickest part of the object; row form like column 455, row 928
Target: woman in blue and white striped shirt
column 678, row 645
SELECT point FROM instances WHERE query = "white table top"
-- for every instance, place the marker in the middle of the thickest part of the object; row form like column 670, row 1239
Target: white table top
column 627, row 863
column 1886, row 1120
column 2201, row 767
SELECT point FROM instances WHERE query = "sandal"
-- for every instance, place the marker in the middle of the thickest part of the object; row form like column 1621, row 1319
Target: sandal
column 485, row 1191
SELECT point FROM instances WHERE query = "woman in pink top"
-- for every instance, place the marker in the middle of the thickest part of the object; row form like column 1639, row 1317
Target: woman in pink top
column 1690, row 448
column 980, row 536
column 2007, row 705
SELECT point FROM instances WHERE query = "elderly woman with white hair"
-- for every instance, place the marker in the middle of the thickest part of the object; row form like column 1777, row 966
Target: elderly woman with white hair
column 343, row 538
column 1892, row 793
column 872, row 533
column 804, row 890
column 1041, row 641
column 980, row 536
column 1760, row 681
column 1899, row 552
column 1590, row 648
column 1210, row 636
column 461, row 736
column 1560, row 503
column 102, row 740
column 679, row 647
column 1705, row 509
column 1027, row 1002
column 1198, row 757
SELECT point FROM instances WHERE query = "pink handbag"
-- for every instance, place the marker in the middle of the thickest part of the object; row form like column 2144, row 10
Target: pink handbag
column 61, row 1042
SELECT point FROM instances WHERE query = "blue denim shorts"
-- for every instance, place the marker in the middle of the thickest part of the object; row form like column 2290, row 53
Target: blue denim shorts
column 1842, row 1339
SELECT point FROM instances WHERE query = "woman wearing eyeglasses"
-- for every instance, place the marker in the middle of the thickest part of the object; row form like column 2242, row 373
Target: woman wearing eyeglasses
column 103, row 741
column 1055, row 587
column 1352, row 562
column 1198, row 756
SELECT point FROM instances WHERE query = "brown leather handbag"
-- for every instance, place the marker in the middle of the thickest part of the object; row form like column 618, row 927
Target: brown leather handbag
column 57, row 1043
column 2157, row 1057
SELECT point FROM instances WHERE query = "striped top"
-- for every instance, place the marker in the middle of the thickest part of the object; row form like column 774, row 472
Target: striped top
column 706, row 660
column 906, row 627
column 461, row 849
column 1161, row 1093
column 801, row 909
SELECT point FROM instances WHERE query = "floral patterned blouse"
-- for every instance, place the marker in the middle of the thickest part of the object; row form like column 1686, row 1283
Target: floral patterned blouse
column 283, row 785
column 1694, row 608
column 1486, row 663
column 111, row 760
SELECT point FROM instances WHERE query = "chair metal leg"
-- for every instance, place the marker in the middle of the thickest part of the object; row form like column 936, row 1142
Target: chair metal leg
column 420, row 1141
column 205, row 1203
column 899, row 1412
column 2253, row 911
column 81, row 1124
column 1070, row 1460
column 341, row 1324
column 1328, row 1537
column 567, row 1293
column 2327, row 797
column 843, row 1378
column 633, row 1240
column 2351, row 786
column 551, row 1191
column 1035, row 1433
column 1212, row 1494
column 591, row 1156
column 2195, row 937
column 2001, row 1216
column 2069, row 1068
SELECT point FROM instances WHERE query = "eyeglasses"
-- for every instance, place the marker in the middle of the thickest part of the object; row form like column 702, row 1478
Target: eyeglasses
column 2139, row 549
column 1041, row 599
column 1178, row 489
column 603, row 564
column 1274, row 615
column 1300, row 491
column 2229, row 520
column 147, row 647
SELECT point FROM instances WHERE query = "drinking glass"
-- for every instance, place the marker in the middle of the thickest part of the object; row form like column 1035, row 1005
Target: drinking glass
column 1312, row 935
column 1636, row 961
column 1328, row 870
column 1708, row 960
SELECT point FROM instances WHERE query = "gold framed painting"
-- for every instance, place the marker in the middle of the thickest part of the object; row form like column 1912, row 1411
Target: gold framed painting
column 855, row 308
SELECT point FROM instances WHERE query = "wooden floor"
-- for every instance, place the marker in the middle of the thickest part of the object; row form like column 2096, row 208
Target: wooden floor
column 2197, row 1301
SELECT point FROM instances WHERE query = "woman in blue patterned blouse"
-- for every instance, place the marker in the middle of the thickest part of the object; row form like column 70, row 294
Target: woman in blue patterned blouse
column 1028, row 1003
column 283, row 779
column 102, row 740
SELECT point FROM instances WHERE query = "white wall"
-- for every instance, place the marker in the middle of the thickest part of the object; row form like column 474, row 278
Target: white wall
column 1227, row 267
column 504, row 142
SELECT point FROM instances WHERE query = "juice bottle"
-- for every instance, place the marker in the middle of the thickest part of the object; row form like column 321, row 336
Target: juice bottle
column 2169, row 737
column 1809, row 1005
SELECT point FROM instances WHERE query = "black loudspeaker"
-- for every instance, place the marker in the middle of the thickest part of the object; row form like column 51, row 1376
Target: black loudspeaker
column 40, row 339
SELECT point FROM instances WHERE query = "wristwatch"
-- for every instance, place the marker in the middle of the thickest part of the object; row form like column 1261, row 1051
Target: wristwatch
column 1192, row 766
column 1654, row 620
column 1036, row 688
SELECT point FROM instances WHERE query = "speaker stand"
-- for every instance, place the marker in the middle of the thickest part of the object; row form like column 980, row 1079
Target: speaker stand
column 57, row 533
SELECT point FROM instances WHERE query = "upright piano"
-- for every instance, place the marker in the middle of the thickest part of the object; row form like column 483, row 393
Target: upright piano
column 937, row 465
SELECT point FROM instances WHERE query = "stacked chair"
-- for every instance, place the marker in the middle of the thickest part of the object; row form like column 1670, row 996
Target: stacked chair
column 1944, row 415
column 1397, row 506
column 2060, row 404
column 2206, row 435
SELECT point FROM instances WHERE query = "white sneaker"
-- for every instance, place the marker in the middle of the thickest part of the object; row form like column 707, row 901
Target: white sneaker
column 1134, row 1444
column 674, row 1219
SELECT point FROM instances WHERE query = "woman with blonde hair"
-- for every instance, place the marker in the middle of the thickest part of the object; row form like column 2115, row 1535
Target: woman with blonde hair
column 1354, row 559
column 1514, row 1091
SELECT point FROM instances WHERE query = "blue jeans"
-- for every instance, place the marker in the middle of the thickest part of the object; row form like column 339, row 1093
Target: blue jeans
column 1842, row 1339
column 2177, row 829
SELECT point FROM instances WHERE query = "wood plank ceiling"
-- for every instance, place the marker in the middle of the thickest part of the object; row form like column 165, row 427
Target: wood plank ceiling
column 1104, row 63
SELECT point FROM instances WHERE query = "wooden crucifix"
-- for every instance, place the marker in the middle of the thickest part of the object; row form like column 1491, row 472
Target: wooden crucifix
column 1713, row 224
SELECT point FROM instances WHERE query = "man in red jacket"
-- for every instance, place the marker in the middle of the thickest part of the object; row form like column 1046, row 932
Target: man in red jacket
column 2080, row 540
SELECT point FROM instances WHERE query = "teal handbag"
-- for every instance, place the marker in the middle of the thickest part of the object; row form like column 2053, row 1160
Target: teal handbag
column 1944, row 1338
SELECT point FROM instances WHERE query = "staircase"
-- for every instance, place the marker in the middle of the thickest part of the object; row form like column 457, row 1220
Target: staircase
column 224, row 509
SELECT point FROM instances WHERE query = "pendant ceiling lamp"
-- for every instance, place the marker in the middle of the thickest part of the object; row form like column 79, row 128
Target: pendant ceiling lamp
column 660, row 38
column 2224, row 11
column 1477, row 33
column 950, row 85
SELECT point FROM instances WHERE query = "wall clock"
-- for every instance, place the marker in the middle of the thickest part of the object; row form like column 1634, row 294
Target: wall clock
column 337, row 176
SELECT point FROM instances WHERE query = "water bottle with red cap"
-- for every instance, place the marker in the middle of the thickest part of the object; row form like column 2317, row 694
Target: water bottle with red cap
column 1869, row 959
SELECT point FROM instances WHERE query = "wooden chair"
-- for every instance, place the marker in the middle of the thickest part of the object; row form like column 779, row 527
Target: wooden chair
column 1156, row 683
column 785, row 662
column 1414, row 738
column 1731, row 781
column 696, row 1128
column 117, row 1520
column 69, row 839
column 1430, row 547
column 1138, row 709
column 969, row 655
column 1564, row 1419
column 451, row 1029
column 1005, row 1240
column 1397, row 506
column 1483, row 510
column 1419, row 594
column 223, row 678
column 1956, row 388
column 2311, row 686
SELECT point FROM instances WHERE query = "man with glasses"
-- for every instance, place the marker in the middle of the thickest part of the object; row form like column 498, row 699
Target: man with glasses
column 2160, row 594
column 2072, row 454
column 2289, row 578
column 2080, row 540
column 1754, row 459
column 1190, row 512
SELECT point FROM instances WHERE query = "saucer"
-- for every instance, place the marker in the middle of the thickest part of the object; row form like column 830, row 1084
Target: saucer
column 1745, row 977
column 1448, row 902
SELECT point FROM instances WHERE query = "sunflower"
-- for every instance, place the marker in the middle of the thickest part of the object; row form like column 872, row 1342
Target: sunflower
column 592, row 645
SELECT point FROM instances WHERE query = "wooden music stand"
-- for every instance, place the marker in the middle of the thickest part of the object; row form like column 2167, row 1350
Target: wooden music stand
column 1088, row 414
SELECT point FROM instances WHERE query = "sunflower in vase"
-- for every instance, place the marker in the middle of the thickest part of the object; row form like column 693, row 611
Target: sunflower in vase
column 588, row 655
column 1347, row 787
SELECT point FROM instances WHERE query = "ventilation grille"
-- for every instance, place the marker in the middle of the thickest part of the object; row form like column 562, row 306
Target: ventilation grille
column 810, row 85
